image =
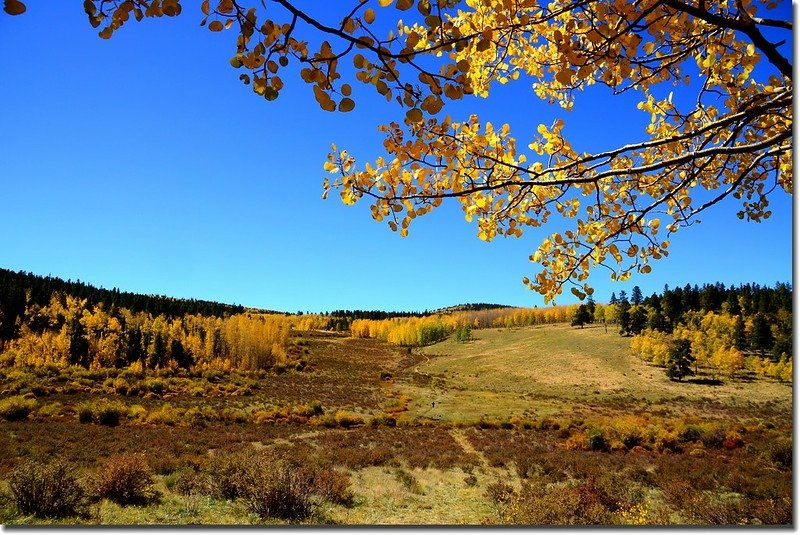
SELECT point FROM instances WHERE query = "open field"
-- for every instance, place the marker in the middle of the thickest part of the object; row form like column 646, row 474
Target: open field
column 537, row 425
column 539, row 371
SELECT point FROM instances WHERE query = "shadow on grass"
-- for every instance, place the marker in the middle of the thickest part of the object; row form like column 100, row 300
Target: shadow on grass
column 704, row 381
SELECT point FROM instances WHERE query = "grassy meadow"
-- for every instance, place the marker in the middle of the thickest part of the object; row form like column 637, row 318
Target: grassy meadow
column 531, row 425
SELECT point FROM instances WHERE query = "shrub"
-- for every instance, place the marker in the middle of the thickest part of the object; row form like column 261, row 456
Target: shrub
column 191, row 481
column 596, row 439
column 46, row 490
column 280, row 490
column 126, row 480
column 347, row 419
column 780, row 453
column 103, row 412
column 408, row 480
column 331, row 485
column 732, row 440
column 316, row 406
column 16, row 408
column 383, row 419
column 690, row 433
column 577, row 441
column 714, row 438
column 230, row 474
column 165, row 415
column 50, row 410
column 583, row 503
column 109, row 413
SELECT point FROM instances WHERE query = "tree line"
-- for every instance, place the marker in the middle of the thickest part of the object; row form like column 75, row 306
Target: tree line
column 20, row 289
column 713, row 327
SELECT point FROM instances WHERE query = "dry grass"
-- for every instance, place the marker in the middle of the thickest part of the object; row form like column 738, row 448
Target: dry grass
column 556, row 368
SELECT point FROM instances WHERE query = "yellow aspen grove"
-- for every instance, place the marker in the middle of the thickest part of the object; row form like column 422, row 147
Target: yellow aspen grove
column 714, row 79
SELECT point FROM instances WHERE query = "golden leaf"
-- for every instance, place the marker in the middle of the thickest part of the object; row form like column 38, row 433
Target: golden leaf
column 414, row 115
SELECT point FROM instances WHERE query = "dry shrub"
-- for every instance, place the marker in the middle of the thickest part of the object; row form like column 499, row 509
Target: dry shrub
column 230, row 473
column 780, row 452
column 47, row 490
column 16, row 408
column 126, row 480
column 772, row 512
column 331, row 485
column 504, row 501
column 577, row 441
column 279, row 489
column 191, row 481
column 732, row 440
column 584, row 503
column 408, row 480
column 348, row 420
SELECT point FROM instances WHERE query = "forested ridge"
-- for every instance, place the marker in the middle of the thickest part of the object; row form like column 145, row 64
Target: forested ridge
column 20, row 289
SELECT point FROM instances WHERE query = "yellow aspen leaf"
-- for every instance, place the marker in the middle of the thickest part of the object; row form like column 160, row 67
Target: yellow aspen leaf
column 385, row 3
column 404, row 4
column 346, row 105
column 204, row 7
column 215, row 26
column 346, row 90
column 369, row 16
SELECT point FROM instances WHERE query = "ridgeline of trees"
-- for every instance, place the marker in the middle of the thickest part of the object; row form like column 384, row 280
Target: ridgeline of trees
column 20, row 289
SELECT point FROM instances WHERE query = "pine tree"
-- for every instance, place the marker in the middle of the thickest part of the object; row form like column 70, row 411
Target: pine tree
column 739, row 335
column 761, row 337
column 638, row 319
column 636, row 296
column 582, row 316
column 680, row 359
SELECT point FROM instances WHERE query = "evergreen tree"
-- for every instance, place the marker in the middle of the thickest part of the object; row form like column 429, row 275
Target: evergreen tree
column 591, row 306
column 582, row 316
column 180, row 355
column 761, row 337
column 739, row 335
column 624, row 314
column 78, row 345
column 638, row 319
column 133, row 346
column 158, row 357
column 613, row 300
column 636, row 296
column 680, row 359
column 657, row 321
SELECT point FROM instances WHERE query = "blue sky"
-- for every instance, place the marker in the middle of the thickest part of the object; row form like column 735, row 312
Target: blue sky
column 142, row 163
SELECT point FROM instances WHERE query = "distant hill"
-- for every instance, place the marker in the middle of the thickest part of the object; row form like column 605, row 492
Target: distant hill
column 469, row 307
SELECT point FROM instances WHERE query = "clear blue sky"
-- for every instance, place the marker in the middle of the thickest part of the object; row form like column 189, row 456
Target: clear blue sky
column 142, row 163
